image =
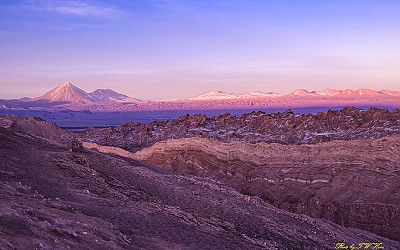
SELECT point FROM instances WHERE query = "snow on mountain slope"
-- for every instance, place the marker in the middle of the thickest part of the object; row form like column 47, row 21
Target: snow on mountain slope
column 299, row 93
column 259, row 94
column 359, row 93
column 390, row 92
column 328, row 92
column 109, row 95
column 219, row 95
column 213, row 95
column 367, row 92
column 302, row 92
column 347, row 93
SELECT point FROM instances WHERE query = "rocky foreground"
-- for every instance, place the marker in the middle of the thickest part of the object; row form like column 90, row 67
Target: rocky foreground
column 53, row 198
column 284, row 128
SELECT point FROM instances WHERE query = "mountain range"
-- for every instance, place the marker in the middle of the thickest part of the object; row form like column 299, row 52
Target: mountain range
column 68, row 92
column 69, row 96
column 219, row 95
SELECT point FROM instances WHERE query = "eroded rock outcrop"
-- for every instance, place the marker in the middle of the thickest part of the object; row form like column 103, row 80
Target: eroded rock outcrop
column 352, row 183
column 285, row 128
column 76, row 146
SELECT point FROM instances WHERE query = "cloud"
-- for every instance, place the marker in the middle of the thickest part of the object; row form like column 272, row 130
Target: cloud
column 76, row 8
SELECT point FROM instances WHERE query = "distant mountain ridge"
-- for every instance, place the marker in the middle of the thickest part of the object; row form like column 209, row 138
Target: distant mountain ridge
column 347, row 93
column 71, row 93
column 69, row 96
column 68, row 92
column 109, row 95
column 220, row 95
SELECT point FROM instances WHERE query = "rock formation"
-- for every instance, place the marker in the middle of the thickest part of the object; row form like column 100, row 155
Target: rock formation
column 285, row 128
column 76, row 146
column 352, row 183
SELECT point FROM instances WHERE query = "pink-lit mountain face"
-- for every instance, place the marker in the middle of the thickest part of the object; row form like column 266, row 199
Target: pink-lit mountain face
column 68, row 92
column 68, row 96
column 300, row 93
column 345, row 94
column 109, row 95
column 219, row 95
column 296, row 99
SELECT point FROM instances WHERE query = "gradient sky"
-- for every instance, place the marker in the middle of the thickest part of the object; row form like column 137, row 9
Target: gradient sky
column 161, row 49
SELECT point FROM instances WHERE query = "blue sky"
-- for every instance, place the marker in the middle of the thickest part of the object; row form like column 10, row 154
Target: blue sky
column 160, row 49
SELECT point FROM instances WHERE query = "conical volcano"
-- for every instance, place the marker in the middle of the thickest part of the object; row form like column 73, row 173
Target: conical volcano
column 67, row 92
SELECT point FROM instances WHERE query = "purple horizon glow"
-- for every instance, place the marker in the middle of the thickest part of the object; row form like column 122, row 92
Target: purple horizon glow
column 164, row 49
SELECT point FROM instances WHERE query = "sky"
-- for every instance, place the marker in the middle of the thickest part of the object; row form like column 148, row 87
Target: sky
column 166, row 49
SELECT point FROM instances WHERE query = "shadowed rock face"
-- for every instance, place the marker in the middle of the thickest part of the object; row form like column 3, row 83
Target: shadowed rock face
column 352, row 183
column 52, row 198
column 285, row 128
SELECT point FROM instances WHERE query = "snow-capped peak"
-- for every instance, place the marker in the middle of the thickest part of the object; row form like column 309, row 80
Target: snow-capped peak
column 109, row 95
column 390, row 92
column 258, row 94
column 328, row 92
column 219, row 95
column 366, row 92
column 302, row 92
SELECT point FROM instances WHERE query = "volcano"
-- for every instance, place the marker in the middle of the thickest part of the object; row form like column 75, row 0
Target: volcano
column 67, row 92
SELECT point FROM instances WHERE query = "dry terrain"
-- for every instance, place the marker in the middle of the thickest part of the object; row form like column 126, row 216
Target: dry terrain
column 353, row 183
column 338, row 165
column 284, row 128
column 53, row 198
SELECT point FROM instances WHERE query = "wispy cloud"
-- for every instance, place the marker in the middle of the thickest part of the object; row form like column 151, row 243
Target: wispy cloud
column 77, row 8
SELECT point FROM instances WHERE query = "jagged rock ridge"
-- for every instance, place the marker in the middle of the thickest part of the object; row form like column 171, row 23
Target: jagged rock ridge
column 285, row 128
